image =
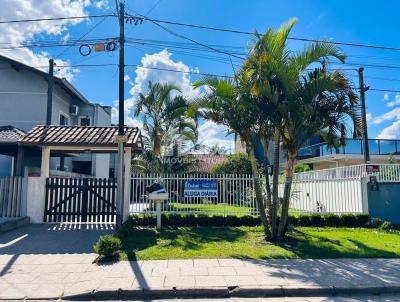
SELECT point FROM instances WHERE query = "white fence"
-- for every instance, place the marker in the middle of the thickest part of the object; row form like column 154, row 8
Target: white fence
column 235, row 194
column 10, row 196
column 338, row 190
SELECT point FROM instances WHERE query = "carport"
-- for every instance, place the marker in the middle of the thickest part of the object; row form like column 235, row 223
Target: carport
column 72, row 200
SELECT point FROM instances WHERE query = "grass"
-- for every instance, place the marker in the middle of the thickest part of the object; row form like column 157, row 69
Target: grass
column 212, row 208
column 248, row 242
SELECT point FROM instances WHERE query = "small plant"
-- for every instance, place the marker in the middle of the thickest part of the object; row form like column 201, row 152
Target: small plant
column 107, row 246
column 316, row 220
column 376, row 222
column 386, row 226
column 349, row 220
column 332, row 220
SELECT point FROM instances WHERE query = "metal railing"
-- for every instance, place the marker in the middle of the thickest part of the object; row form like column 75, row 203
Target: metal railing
column 352, row 146
column 336, row 190
column 235, row 194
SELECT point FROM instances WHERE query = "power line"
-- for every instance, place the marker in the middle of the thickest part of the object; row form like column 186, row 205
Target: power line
column 55, row 19
column 191, row 40
column 255, row 34
column 81, row 37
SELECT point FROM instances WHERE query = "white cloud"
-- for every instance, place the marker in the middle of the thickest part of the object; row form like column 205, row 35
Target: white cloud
column 394, row 114
column 386, row 96
column 391, row 132
column 369, row 117
column 211, row 134
column 395, row 102
column 17, row 33
column 161, row 60
column 101, row 4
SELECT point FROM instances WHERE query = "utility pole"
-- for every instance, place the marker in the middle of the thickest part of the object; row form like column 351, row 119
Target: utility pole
column 50, row 83
column 121, row 131
column 363, row 89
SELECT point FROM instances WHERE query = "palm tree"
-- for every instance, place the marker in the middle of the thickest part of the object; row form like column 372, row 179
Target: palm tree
column 165, row 124
column 226, row 102
column 297, row 104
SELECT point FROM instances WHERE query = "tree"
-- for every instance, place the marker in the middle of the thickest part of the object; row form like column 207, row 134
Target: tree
column 162, row 112
column 228, row 102
column 299, row 104
column 238, row 163
column 217, row 150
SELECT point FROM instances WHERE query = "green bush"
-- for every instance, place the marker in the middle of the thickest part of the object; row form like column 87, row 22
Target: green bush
column 386, row 225
column 304, row 220
column 107, row 246
column 238, row 163
column 332, row 220
column 375, row 222
column 348, row 220
column 317, row 220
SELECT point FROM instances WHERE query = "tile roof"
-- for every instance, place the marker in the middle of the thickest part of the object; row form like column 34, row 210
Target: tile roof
column 206, row 161
column 80, row 136
column 10, row 134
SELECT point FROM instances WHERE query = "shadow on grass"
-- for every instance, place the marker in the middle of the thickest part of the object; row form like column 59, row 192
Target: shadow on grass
column 307, row 246
column 186, row 238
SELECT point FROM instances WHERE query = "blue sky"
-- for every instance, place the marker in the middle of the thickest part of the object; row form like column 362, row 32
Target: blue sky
column 370, row 22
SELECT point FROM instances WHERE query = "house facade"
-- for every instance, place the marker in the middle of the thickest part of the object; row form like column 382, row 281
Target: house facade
column 23, row 105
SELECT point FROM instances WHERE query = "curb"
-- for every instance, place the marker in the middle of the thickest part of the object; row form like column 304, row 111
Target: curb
column 228, row 292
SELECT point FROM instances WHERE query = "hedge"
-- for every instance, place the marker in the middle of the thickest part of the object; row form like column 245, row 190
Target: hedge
column 316, row 220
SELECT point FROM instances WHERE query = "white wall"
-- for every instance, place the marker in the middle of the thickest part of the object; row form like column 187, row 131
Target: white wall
column 35, row 199
column 329, row 196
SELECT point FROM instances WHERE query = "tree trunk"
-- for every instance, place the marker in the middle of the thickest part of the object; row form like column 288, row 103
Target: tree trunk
column 258, row 191
column 286, row 195
column 275, row 184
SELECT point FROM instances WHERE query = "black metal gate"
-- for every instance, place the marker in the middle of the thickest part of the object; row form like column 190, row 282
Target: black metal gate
column 84, row 200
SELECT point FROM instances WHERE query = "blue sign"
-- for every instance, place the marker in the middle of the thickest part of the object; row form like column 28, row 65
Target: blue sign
column 200, row 188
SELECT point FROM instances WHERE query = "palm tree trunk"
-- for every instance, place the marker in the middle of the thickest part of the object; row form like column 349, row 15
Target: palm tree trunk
column 286, row 195
column 275, row 184
column 258, row 191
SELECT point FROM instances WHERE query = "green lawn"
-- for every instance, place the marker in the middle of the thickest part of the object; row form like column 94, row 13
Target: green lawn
column 212, row 208
column 248, row 242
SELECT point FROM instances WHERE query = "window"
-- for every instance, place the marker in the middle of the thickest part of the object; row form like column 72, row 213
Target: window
column 84, row 121
column 64, row 120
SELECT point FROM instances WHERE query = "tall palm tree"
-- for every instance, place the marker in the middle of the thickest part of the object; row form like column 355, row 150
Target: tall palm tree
column 298, row 104
column 226, row 102
column 163, row 112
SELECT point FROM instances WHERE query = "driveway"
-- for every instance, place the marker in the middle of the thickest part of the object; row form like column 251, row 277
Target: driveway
column 52, row 239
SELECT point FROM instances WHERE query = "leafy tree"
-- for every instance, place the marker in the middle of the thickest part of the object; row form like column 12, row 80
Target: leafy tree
column 238, row 163
column 162, row 112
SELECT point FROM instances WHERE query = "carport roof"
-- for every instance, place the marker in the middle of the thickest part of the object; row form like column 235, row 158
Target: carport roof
column 10, row 134
column 81, row 137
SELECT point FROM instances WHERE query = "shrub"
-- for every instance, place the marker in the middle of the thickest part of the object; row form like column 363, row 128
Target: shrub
column 107, row 246
column 348, row 220
column 386, row 225
column 316, row 220
column 304, row 220
column 238, row 163
column 332, row 220
column 375, row 222
column 362, row 220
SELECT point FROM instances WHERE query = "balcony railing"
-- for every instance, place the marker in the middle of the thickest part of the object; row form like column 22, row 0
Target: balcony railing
column 352, row 146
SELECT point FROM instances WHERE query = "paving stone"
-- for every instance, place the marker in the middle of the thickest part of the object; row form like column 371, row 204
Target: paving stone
column 210, row 281
column 149, row 282
column 221, row 271
column 180, row 263
column 240, row 281
column 231, row 262
column 194, row 271
column 248, row 271
column 166, row 271
column 180, row 282
column 205, row 262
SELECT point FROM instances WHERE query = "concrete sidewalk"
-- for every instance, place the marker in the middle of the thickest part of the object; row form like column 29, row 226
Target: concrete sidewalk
column 74, row 276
